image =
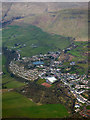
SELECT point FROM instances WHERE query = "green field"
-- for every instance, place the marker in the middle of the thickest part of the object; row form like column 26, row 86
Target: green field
column 32, row 36
column 88, row 107
column 3, row 64
column 12, row 83
column 0, row 104
column 16, row 105
column 40, row 81
column 7, row 79
column 79, row 50
column 79, row 53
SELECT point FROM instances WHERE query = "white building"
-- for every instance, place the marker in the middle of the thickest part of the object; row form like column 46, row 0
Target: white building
column 51, row 79
column 77, row 105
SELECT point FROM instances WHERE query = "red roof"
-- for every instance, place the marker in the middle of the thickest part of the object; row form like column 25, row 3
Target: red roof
column 46, row 84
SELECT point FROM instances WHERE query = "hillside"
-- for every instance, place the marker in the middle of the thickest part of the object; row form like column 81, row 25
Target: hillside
column 31, row 40
column 68, row 19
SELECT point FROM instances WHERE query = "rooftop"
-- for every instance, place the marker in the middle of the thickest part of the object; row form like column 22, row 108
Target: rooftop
column 51, row 79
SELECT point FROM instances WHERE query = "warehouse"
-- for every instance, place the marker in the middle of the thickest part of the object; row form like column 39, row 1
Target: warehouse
column 50, row 80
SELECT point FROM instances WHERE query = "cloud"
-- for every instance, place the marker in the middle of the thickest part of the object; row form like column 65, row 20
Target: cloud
column 44, row 0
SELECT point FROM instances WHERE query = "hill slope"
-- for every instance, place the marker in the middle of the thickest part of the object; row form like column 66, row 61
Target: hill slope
column 68, row 19
column 31, row 40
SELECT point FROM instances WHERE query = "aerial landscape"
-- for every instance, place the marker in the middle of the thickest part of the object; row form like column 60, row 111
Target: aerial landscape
column 45, row 51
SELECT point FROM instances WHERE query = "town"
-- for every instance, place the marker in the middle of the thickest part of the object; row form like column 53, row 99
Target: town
column 47, row 69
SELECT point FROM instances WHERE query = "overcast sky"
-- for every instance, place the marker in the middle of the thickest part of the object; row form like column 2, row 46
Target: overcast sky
column 44, row 0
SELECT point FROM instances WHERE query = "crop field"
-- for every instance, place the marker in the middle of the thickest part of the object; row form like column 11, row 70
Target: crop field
column 32, row 40
column 16, row 105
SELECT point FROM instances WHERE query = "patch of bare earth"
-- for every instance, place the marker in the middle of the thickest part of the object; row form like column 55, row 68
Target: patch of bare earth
column 6, row 90
column 86, row 39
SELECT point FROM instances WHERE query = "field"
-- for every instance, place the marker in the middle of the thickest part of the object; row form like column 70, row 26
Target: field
column 40, row 81
column 16, row 105
column 48, row 27
column 88, row 107
column 7, row 80
column 32, row 40
column 80, row 50
column 12, row 83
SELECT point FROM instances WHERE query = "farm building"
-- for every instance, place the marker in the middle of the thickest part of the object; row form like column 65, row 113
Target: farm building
column 50, row 80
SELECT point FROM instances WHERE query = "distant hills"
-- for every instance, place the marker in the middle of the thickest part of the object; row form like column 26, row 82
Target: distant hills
column 67, row 19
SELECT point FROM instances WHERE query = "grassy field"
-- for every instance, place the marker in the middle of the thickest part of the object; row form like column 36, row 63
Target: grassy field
column 16, row 105
column 3, row 64
column 0, row 105
column 40, row 81
column 7, row 79
column 12, row 83
column 32, row 36
column 79, row 54
column 79, row 51
column 88, row 107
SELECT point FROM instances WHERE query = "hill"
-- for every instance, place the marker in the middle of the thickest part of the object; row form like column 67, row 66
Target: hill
column 31, row 40
column 68, row 19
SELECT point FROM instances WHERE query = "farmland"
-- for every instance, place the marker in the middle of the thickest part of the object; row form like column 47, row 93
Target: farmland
column 80, row 50
column 36, row 92
column 7, row 80
column 26, row 108
column 54, row 36
column 32, row 40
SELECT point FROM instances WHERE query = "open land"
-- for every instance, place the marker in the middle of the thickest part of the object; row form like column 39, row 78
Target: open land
column 27, row 108
column 45, row 67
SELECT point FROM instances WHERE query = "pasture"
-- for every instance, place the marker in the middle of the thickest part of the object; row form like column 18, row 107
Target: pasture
column 16, row 105
column 32, row 40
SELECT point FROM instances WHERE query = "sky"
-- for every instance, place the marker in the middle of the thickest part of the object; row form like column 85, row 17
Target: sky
column 44, row 0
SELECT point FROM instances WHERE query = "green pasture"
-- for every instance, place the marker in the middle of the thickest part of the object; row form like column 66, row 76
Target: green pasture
column 16, row 105
column 13, row 84
column 88, row 107
column 32, row 36
column 40, row 81
column 79, row 51
column 7, row 80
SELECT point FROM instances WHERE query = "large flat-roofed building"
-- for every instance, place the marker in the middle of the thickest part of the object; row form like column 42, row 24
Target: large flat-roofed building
column 50, row 80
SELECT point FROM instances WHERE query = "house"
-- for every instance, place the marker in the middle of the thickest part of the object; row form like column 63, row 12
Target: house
column 72, row 63
column 50, row 80
column 77, row 110
column 77, row 105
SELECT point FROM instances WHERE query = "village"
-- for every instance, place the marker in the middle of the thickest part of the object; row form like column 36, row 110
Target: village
column 47, row 67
